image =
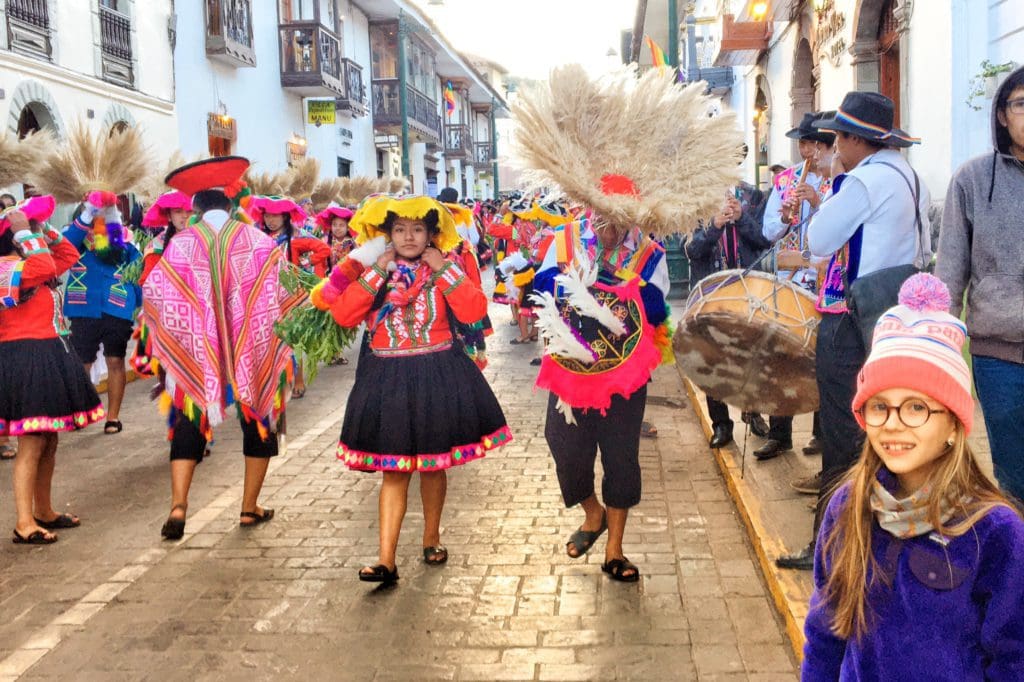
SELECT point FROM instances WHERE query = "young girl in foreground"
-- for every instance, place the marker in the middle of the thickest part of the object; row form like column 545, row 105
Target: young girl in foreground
column 919, row 571
column 419, row 403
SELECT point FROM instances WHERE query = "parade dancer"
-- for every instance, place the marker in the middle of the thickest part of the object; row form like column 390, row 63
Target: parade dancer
column 44, row 389
column 333, row 222
column 917, row 571
column 419, row 403
column 99, row 301
column 209, row 305
column 602, row 308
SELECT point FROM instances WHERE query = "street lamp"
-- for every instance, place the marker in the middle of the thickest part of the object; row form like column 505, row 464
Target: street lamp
column 759, row 10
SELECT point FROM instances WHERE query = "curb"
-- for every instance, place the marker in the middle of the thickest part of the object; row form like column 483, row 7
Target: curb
column 786, row 594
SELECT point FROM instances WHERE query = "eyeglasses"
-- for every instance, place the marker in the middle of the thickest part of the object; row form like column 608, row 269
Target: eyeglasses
column 1015, row 106
column 913, row 412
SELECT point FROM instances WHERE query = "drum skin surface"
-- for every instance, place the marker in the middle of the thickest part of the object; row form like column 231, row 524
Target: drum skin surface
column 749, row 341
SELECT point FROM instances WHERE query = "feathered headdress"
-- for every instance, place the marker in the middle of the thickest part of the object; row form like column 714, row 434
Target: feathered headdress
column 355, row 189
column 19, row 159
column 640, row 151
column 116, row 163
column 301, row 179
column 153, row 186
column 265, row 184
column 325, row 192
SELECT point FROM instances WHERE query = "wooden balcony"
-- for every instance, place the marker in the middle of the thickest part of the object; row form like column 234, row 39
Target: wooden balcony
column 424, row 121
column 116, row 48
column 458, row 141
column 311, row 60
column 482, row 155
column 354, row 99
column 28, row 28
column 742, row 41
column 229, row 32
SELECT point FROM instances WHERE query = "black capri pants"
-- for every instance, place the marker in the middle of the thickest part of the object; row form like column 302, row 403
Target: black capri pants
column 188, row 442
column 574, row 449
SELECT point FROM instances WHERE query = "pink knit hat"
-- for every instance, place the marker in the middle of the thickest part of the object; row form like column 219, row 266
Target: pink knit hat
column 918, row 345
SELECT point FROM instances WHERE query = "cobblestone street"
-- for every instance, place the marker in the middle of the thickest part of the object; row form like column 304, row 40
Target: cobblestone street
column 111, row 601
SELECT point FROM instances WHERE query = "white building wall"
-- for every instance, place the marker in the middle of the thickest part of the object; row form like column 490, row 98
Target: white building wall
column 356, row 41
column 266, row 114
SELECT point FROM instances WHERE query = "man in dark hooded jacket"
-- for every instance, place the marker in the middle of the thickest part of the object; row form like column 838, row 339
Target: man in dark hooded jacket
column 981, row 252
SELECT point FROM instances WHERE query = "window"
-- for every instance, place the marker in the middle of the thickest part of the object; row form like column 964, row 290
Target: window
column 116, row 5
column 384, row 50
column 345, row 167
column 309, row 10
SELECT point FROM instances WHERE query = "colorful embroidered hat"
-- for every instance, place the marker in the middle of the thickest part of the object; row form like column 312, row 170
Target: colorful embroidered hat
column 324, row 217
column 35, row 208
column 260, row 206
column 159, row 214
column 374, row 211
column 918, row 345
column 222, row 172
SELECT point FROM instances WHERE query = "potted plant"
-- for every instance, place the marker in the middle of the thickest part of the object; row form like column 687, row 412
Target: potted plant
column 986, row 83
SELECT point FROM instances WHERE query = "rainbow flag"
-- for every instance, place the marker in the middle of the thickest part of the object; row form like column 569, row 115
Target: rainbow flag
column 449, row 98
column 657, row 54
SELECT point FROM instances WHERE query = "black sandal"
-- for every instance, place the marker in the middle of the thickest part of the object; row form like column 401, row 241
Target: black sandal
column 435, row 556
column 583, row 540
column 115, row 425
column 616, row 568
column 378, row 574
column 298, row 394
column 60, row 522
column 174, row 529
column 256, row 517
column 35, row 538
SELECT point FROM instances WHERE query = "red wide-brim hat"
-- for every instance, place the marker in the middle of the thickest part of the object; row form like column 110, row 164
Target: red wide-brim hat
column 260, row 206
column 222, row 172
column 159, row 214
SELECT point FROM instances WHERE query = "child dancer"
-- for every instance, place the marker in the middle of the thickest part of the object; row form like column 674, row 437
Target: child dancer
column 917, row 568
column 419, row 403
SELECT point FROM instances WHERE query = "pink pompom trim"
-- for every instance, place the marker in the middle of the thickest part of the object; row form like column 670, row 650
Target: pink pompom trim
column 925, row 293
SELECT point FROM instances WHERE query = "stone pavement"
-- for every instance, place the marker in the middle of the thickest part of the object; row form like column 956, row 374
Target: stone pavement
column 110, row 601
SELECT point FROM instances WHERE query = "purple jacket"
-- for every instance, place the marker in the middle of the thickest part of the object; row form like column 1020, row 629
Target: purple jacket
column 961, row 619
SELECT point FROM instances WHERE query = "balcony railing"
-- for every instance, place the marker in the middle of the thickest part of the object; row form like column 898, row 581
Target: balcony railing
column 116, row 47
column 229, row 32
column 458, row 142
column 311, row 60
column 28, row 28
column 482, row 154
column 354, row 99
column 423, row 116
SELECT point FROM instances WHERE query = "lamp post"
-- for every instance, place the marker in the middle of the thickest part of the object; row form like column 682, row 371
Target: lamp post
column 494, row 149
column 403, row 92
column 673, row 34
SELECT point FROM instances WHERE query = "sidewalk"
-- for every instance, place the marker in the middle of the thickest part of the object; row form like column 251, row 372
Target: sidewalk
column 777, row 518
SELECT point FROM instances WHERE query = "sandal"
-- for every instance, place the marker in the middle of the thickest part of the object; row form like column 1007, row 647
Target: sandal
column 38, row 537
column 435, row 556
column 517, row 342
column 298, row 393
column 617, row 569
column 378, row 574
column 61, row 521
column 8, row 451
column 256, row 517
column 112, row 427
column 174, row 529
column 648, row 430
column 583, row 540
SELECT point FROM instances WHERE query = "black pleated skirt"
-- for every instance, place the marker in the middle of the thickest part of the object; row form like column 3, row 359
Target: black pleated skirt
column 44, row 389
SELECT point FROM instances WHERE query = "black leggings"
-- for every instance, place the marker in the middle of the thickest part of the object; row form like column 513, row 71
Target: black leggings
column 188, row 441
column 574, row 449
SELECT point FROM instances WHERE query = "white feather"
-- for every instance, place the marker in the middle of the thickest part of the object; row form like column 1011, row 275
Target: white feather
column 368, row 253
column 566, row 409
column 559, row 337
column 574, row 282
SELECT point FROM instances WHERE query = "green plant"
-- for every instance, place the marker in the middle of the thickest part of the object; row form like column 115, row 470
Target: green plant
column 977, row 84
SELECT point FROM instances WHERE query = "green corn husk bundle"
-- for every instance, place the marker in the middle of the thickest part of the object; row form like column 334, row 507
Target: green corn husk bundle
column 133, row 271
column 313, row 334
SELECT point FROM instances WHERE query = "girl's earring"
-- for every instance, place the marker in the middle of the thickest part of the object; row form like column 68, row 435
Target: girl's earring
column 950, row 442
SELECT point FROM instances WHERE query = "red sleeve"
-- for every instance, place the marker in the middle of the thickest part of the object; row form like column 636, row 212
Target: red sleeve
column 319, row 253
column 355, row 301
column 149, row 262
column 471, row 266
column 500, row 230
column 467, row 300
column 42, row 267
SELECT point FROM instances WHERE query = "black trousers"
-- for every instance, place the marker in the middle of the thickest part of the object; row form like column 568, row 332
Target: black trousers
column 574, row 448
column 781, row 428
column 188, row 442
column 840, row 356
column 718, row 412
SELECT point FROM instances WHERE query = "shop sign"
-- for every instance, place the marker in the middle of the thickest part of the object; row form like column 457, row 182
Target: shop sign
column 320, row 112
column 829, row 37
column 221, row 126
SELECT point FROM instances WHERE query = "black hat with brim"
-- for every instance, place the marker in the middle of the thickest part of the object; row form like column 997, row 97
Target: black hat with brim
column 806, row 131
column 868, row 115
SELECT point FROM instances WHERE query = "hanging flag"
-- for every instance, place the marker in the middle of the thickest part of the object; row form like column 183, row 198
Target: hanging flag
column 657, row 55
column 449, row 98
